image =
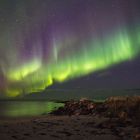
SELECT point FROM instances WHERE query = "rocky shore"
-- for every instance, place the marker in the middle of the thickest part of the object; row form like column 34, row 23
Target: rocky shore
column 117, row 118
column 121, row 112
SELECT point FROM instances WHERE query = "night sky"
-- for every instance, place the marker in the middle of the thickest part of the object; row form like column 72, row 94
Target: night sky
column 69, row 44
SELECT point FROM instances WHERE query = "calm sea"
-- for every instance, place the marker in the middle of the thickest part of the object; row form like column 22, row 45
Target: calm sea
column 35, row 108
column 26, row 108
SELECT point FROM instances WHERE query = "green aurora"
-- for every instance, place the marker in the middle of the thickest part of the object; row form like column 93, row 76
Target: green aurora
column 92, row 54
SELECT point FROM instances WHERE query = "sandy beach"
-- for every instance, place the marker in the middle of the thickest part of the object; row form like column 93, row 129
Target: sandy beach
column 65, row 128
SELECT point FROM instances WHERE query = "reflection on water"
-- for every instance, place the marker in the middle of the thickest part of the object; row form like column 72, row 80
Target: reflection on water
column 27, row 108
column 34, row 108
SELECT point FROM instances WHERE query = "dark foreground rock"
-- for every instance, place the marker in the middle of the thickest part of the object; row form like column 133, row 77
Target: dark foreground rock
column 81, row 107
column 120, row 107
column 121, row 113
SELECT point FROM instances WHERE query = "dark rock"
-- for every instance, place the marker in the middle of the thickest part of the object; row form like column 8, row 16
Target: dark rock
column 124, row 108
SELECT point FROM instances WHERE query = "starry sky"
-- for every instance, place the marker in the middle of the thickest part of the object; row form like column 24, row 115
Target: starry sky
column 68, row 44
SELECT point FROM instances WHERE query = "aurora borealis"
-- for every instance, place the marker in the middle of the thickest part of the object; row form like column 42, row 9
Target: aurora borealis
column 50, row 41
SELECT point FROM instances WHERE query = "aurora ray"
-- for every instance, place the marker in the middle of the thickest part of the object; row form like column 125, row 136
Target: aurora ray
column 43, row 46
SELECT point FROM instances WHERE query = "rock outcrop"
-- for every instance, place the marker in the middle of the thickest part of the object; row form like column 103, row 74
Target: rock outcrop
column 122, row 107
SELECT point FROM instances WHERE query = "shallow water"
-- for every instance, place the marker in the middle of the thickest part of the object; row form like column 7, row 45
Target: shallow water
column 26, row 108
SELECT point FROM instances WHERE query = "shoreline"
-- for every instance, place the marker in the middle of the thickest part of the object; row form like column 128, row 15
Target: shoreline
column 115, row 119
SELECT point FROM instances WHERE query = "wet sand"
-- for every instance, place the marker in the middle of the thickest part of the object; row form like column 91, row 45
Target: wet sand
column 87, row 127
